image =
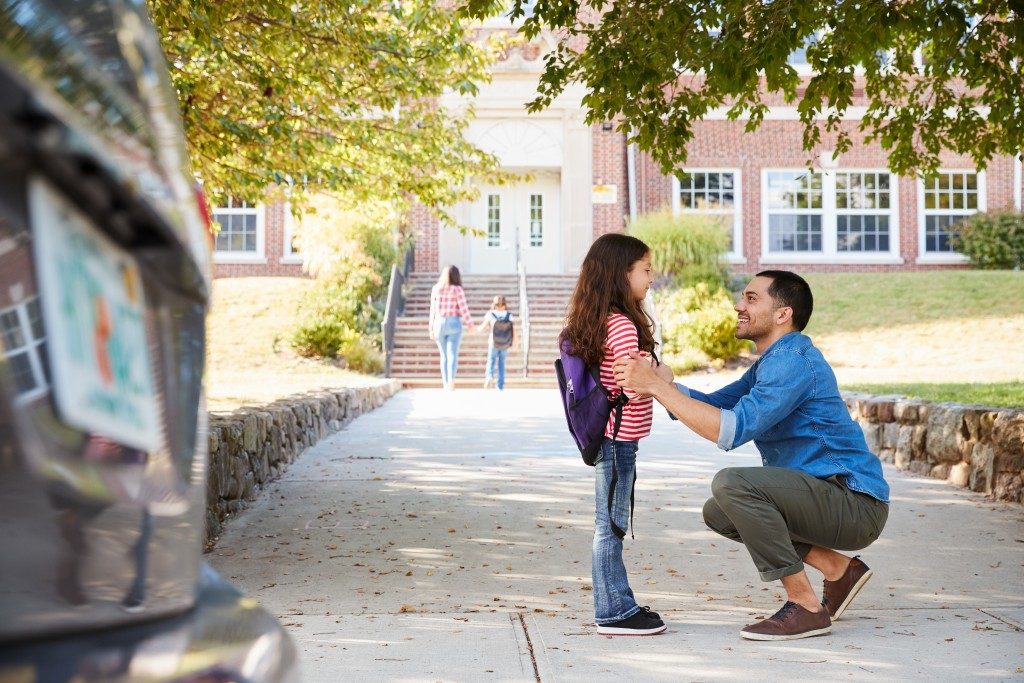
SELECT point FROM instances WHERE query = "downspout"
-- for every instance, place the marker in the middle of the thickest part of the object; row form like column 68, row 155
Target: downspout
column 1017, row 178
column 631, row 179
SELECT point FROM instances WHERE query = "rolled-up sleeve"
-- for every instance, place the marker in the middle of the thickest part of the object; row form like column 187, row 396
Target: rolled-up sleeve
column 727, row 426
column 784, row 380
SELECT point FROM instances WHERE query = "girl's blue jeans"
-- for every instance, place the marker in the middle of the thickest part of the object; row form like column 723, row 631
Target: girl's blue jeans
column 449, row 336
column 496, row 357
column 613, row 598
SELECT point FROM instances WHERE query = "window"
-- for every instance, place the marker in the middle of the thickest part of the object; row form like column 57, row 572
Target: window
column 494, row 220
column 946, row 199
column 795, row 211
column 536, row 220
column 828, row 216
column 240, row 231
column 24, row 347
column 712, row 192
column 798, row 57
column 862, row 212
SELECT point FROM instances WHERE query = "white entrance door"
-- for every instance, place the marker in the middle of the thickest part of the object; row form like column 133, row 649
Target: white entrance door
column 526, row 214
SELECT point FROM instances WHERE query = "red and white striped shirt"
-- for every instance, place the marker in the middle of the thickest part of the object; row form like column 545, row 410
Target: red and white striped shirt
column 449, row 301
column 639, row 412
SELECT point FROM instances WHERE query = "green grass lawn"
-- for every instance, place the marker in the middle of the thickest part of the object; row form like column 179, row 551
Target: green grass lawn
column 997, row 395
column 846, row 302
column 938, row 335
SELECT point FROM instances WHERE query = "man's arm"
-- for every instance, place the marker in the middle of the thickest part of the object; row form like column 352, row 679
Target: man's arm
column 638, row 375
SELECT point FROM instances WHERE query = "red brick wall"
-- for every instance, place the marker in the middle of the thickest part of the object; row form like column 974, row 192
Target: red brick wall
column 426, row 232
column 274, row 218
column 778, row 144
column 16, row 269
column 609, row 168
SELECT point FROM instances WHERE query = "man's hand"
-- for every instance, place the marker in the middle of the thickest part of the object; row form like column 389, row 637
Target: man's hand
column 664, row 372
column 636, row 374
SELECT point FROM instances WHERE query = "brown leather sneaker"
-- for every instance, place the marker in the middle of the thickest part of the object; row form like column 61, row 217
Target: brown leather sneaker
column 838, row 594
column 789, row 623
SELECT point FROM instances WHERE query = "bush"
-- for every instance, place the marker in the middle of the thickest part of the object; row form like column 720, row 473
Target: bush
column 333, row 337
column 686, row 249
column 697, row 319
column 992, row 240
column 320, row 337
column 349, row 248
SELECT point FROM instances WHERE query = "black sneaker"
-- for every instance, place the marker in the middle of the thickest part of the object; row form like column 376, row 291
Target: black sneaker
column 647, row 609
column 643, row 623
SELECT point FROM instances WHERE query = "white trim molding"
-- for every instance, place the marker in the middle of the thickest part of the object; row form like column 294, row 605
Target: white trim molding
column 980, row 190
column 25, row 327
column 736, row 254
column 838, row 198
column 258, row 256
column 288, row 255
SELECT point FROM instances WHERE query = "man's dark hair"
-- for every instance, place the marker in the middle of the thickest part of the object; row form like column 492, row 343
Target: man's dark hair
column 789, row 289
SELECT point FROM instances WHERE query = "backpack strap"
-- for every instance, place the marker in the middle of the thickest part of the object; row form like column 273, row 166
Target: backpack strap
column 620, row 400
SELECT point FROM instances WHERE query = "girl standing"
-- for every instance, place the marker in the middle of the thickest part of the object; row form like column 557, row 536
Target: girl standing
column 606, row 321
column 498, row 321
column 448, row 310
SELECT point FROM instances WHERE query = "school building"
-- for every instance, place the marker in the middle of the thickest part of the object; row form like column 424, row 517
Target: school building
column 847, row 213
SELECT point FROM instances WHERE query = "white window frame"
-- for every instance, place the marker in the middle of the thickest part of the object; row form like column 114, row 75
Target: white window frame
column 736, row 255
column 251, row 257
column 489, row 218
column 31, row 349
column 829, row 231
column 530, row 222
column 287, row 255
column 946, row 257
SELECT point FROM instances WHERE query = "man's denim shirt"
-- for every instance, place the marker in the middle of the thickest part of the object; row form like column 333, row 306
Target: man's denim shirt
column 788, row 402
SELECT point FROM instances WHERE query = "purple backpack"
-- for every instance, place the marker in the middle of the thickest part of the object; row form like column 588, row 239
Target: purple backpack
column 586, row 402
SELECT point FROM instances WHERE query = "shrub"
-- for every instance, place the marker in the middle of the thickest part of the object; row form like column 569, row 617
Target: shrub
column 686, row 249
column 349, row 248
column 322, row 337
column 697, row 319
column 992, row 240
column 332, row 337
column 362, row 356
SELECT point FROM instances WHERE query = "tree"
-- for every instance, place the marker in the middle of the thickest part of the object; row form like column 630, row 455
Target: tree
column 325, row 96
column 935, row 73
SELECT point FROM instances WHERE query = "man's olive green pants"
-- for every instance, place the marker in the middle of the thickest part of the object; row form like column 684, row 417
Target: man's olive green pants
column 779, row 513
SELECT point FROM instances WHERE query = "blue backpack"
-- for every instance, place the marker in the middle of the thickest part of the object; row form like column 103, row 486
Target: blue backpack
column 586, row 402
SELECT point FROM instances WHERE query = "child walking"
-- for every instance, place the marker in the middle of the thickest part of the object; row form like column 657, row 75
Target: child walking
column 499, row 322
column 606, row 321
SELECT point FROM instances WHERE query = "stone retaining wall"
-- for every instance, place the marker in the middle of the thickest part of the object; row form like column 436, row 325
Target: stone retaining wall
column 970, row 446
column 252, row 446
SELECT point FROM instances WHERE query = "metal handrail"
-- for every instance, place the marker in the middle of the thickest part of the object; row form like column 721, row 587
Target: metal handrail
column 524, row 307
column 394, row 307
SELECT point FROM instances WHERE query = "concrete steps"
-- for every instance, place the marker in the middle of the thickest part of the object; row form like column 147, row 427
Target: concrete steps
column 415, row 359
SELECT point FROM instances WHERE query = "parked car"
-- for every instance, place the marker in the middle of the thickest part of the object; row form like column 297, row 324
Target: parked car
column 104, row 287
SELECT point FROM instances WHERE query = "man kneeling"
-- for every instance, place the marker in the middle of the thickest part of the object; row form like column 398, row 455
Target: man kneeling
column 820, row 489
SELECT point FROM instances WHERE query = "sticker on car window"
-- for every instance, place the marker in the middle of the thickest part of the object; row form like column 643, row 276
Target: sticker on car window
column 94, row 311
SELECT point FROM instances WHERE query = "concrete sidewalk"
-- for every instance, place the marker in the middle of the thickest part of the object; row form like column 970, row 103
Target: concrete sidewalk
column 446, row 536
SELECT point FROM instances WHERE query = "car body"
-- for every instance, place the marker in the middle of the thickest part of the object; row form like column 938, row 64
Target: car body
column 104, row 287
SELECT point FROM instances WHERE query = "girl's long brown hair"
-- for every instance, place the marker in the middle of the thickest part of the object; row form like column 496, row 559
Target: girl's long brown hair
column 602, row 288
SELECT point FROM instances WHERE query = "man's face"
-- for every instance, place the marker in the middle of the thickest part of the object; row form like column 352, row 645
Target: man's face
column 755, row 310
